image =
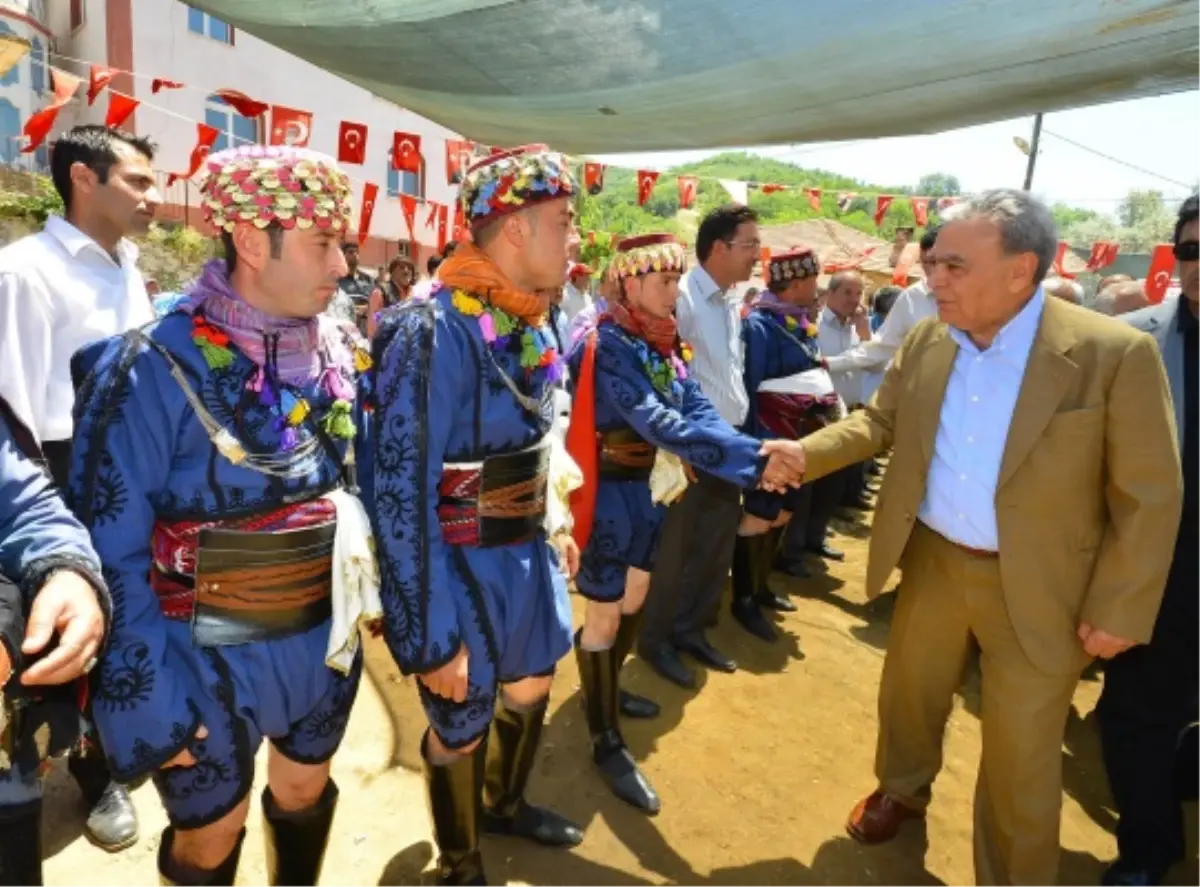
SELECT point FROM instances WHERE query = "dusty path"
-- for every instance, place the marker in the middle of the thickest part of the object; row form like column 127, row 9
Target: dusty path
column 757, row 771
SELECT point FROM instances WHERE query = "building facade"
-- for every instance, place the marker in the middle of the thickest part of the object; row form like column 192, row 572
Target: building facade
column 170, row 40
column 23, row 88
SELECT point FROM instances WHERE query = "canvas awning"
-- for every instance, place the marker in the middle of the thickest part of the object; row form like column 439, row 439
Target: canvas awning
column 605, row 76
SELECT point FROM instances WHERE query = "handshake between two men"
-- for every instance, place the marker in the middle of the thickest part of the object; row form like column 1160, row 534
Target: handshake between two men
column 785, row 465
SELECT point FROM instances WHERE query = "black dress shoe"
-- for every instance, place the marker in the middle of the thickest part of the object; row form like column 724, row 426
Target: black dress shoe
column 668, row 664
column 772, row 601
column 1120, row 874
column 750, row 616
column 538, row 824
column 621, row 773
column 797, row 569
column 698, row 647
column 634, row 706
column 112, row 822
column 828, row 552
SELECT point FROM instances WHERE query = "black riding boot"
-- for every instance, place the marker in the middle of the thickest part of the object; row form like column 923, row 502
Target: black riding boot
column 598, row 678
column 631, row 704
column 21, row 844
column 455, row 791
column 171, row 872
column 511, row 750
column 764, row 555
column 296, row 841
column 745, row 605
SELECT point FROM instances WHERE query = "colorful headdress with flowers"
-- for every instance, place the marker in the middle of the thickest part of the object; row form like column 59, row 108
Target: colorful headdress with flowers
column 646, row 254
column 513, row 180
column 293, row 187
column 796, row 264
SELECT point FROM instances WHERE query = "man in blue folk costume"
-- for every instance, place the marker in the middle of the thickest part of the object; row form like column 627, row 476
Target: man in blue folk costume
column 634, row 405
column 214, row 465
column 475, row 603
column 781, row 352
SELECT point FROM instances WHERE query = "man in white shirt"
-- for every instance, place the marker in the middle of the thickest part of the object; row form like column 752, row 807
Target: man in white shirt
column 696, row 545
column 69, row 285
column 577, row 294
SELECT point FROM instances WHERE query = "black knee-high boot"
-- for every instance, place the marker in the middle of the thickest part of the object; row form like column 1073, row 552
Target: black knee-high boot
column 764, row 556
column 598, row 677
column 171, row 872
column 21, row 844
column 455, row 794
column 632, row 705
column 296, row 841
column 511, row 751
column 745, row 605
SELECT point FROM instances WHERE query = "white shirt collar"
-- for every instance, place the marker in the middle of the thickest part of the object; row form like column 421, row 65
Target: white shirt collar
column 75, row 241
column 706, row 286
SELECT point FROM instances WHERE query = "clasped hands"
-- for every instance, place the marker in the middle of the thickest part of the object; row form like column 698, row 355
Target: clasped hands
column 785, row 465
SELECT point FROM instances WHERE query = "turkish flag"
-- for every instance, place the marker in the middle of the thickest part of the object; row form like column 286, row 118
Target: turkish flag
column 458, row 159
column 771, row 189
column 814, row 198
column 1060, row 269
column 99, row 77
column 39, row 124
column 408, row 205
column 443, row 223
column 593, row 177
column 370, row 192
column 882, row 203
column 687, row 191
column 119, row 109
column 645, row 184
column 406, row 152
column 352, row 142
column 1104, row 253
column 243, row 104
column 205, row 136
column 290, row 127
column 431, row 219
column 461, row 232
column 920, row 207
column 845, row 199
column 1158, row 277
column 159, row 84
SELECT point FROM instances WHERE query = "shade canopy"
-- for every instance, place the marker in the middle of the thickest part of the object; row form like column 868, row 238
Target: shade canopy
column 606, row 76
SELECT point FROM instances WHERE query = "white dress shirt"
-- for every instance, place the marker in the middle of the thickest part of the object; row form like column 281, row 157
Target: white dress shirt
column 835, row 338
column 710, row 321
column 575, row 301
column 911, row 307
column 60, row 291
column 977, row 410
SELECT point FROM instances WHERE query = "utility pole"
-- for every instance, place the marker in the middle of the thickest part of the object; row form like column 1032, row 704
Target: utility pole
column 1033, row 150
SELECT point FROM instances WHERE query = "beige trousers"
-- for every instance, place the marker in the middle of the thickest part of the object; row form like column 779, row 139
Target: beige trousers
column 947, row 597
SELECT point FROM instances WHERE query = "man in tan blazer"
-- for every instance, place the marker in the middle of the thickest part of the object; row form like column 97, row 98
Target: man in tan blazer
column 1031, row 502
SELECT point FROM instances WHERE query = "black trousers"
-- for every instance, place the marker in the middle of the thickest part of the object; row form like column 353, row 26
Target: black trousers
column 695, row 551
column 814, row 510
column 1151, row 695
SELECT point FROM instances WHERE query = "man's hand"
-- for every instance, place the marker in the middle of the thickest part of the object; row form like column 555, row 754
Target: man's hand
column 785, row 465
column 753, row 526
column 862, row 323
column 185, row 758
column 1101, row 644
column 568, row 554
column 65, row 605
column 449, row 681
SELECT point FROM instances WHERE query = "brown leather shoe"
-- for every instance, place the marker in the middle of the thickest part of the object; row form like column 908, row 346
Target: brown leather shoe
column 877, row 818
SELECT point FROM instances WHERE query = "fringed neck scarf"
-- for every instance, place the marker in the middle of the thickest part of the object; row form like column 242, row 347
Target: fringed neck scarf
column 660, row 333
column 772, row 302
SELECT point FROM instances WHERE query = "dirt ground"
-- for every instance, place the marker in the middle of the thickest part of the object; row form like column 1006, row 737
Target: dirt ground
column 757, row 771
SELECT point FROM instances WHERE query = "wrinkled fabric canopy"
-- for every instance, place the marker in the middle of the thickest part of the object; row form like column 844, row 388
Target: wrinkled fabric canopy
column 606, row 76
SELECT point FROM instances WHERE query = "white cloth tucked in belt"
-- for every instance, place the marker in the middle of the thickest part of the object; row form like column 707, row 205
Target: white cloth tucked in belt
column 668, row 480
column 563, row 477
column 355, row 598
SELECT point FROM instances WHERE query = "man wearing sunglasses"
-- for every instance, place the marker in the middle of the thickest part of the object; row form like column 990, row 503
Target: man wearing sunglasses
column 1150, row 692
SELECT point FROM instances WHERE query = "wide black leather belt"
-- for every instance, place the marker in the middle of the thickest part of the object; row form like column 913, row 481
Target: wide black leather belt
column 499, row 501
column 624, row 455
column 261, row 586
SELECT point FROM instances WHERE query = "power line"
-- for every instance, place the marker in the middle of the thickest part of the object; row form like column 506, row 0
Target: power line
column 1118, row 160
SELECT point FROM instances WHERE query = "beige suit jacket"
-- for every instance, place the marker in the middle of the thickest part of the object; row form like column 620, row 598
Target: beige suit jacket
column 1090, row 488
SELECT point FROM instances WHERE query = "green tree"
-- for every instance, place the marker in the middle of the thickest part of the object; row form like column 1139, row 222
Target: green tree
column 938, row 184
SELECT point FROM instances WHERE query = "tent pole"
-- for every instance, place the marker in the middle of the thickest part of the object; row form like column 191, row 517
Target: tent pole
column 1033, row 150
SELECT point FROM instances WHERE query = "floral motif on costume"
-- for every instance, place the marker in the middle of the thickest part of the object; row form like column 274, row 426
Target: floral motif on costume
column 798, row 263
column 505, row 333
column 660, row 255
column 513, row 180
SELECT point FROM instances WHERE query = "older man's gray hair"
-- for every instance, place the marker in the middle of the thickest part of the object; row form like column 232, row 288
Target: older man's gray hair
column 1025, row 224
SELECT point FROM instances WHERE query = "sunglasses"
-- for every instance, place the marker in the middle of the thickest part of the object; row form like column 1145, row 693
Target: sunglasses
column 1187, row 251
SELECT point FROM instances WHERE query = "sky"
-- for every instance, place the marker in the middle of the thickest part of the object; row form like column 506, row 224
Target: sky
column 1161, row 135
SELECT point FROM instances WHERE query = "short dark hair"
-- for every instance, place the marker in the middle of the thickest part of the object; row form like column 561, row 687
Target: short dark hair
column 1189, row 211
column 348, row 245
column 884, row 298
column 93, row 147
column 929, row 238
column 432, row 263
column 721, row 224
column 274, row 234
column 399, row 260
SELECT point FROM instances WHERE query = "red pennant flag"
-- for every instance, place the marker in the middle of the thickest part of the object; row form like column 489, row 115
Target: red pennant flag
column 645, row 184
column 814, row 198
column 39, row 124
column 290, row 126
column 243, row 104
column 119, row 109
column 687, row 191
column 771, row 189
column 99, row 77
column 1060, row 269
column 458, row 159
column 406, row 152
column 920, row 208
column 442, row 224
column 882, row 202
column 462, row 234
column 593, row 177
column 845, row 199
column 408, row 205
column 205, row 136
column 370, row 192
column 352, row 142
column 1158, row 277
column 160, row 84
column 1104, row 253
column 581, row 444
column 431, row 219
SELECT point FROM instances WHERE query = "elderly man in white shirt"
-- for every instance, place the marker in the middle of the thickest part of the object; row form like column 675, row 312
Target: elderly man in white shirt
column 71, row 284
column 696, row 545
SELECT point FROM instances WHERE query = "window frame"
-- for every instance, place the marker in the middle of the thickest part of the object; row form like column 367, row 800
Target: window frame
column 230, row 137
column 73, row 6
column 38, row 73
column 206, row 21
column 396, row 179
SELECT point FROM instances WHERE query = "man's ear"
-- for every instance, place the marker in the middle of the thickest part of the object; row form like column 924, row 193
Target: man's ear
column 252, row 245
